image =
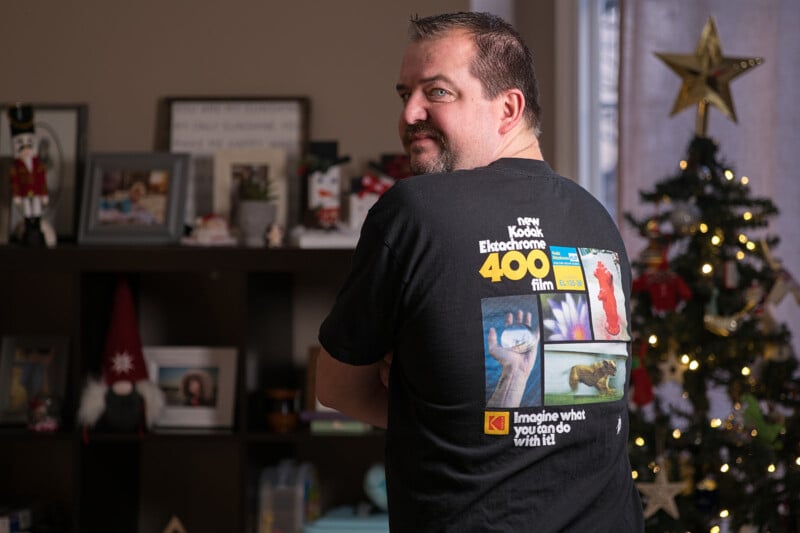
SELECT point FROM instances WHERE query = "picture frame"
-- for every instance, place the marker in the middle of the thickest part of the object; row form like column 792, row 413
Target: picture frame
column 133, row 198
column 61, row 130
column 228, row 167
column 5, row 199
column 201, row 126
column 30, row 366
column 211, row 369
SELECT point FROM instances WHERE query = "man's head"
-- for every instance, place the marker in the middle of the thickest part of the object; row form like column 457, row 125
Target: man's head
column 468, row 85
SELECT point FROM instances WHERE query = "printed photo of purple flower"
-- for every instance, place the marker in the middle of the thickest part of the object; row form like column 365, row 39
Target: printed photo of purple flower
column 566, row 317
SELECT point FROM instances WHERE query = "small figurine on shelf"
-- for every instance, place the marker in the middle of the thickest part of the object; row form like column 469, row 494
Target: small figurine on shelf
column 44, row 414
column 28, row 174
column 124, row 400
column 322, row 172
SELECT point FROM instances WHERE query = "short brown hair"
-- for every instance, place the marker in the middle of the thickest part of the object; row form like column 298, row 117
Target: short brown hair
column 503, row 60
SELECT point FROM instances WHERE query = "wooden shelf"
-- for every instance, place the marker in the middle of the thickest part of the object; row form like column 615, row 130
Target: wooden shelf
column 218, row 296
column 72, row 258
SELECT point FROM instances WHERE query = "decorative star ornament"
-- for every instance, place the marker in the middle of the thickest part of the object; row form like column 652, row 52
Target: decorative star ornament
column 706, row 76
column 122, row 363
column 660, row 494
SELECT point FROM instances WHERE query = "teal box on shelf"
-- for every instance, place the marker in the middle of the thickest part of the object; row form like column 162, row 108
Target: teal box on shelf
column 346, row 520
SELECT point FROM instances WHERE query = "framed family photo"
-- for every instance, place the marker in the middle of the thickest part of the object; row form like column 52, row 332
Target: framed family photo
column 133, row 198
column 30, row 366
column 205, row 126
column 199, row 385
column 61, row 133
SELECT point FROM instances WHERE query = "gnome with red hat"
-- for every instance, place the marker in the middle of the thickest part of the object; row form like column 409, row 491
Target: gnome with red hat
column 124, row 400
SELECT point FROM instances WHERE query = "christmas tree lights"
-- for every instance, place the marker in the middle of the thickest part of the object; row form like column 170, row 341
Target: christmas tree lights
column 715, row 418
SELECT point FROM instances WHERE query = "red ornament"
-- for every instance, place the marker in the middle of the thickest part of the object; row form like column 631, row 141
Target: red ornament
column 667, row 289
column 640, row 379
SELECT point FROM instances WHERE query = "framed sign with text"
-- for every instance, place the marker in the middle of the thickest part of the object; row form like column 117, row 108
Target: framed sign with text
column 204, row 126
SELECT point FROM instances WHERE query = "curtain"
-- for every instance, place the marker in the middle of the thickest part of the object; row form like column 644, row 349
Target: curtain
column 765, row 142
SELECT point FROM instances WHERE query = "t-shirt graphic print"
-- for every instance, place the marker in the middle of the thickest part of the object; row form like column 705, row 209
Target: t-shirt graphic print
column 564, row 343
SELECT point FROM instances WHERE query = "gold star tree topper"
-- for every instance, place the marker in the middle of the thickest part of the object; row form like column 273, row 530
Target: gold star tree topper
column 706, row 76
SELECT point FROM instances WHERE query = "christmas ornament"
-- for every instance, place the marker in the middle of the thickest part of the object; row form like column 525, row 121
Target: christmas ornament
column 668, row 291
column 672, row 369
column 754, row 419
column 124, row 400
column 784, row 281
column 685, row 217
column 724, row 325
column 642, row 384
column 660, row 495
column 706, row 76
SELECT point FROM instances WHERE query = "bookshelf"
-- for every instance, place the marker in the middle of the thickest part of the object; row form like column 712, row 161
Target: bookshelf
column 186, row 296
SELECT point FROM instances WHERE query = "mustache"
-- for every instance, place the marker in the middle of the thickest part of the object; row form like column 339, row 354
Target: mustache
column 422, row 128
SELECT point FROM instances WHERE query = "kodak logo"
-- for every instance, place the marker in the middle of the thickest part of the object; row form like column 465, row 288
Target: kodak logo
column 495, row 422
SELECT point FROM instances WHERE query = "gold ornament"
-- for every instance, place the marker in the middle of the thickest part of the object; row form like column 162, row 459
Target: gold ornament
column 706, row 76
column 660, row 494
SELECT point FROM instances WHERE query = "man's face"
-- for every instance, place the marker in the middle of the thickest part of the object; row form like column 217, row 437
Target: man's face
column 446, row 122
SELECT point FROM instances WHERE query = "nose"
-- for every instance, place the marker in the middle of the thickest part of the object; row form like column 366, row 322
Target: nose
column 415, row 109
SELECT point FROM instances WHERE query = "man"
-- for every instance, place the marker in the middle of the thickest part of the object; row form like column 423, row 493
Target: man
column 449, row 284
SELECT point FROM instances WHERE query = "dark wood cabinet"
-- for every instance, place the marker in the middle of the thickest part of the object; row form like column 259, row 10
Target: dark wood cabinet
column 185, row 296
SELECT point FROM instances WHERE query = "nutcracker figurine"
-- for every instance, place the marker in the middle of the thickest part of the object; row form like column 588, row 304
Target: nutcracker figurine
column 28, row 174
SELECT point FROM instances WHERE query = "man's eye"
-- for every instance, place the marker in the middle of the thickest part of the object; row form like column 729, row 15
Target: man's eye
column 438, row 93
column 404, row 97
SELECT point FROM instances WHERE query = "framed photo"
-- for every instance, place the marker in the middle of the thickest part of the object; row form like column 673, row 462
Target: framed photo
column 60, row 130
column 199, row 385
column 234, row 166
column 29, row 367
column 205, row 125
column 133, row 198
column 5, row 198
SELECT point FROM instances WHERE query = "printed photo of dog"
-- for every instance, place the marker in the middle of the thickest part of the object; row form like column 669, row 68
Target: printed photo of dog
column 594, row 375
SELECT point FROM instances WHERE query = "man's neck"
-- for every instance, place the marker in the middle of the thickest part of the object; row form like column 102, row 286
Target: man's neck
column 523, row 145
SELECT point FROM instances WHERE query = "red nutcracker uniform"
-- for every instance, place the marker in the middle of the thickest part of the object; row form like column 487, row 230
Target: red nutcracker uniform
column 28, row 182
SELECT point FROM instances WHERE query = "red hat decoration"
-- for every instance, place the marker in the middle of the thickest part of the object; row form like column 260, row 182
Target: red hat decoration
column 123, row 359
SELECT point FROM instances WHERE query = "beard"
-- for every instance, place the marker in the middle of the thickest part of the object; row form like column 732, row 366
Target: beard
column 443, row 162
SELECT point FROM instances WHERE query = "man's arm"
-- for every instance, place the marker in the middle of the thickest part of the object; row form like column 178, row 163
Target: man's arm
column 357, row 391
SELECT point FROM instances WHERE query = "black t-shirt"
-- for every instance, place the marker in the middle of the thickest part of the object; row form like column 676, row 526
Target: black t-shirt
column 503, row 293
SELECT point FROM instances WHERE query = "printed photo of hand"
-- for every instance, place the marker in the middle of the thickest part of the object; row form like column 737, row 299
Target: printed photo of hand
column 516, row 350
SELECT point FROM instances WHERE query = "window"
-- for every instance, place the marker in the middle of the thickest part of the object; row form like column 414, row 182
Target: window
column 587, row 59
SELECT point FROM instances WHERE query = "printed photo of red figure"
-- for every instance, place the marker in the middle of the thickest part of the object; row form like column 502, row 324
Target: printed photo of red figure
column 606, row 299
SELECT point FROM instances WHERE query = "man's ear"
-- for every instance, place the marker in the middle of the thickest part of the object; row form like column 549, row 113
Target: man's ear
column 512, row 106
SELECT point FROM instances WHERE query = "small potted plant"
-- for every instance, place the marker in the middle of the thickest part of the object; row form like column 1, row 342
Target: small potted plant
column 256, row 209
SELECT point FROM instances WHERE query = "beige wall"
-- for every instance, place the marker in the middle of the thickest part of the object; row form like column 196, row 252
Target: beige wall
column 122, row 57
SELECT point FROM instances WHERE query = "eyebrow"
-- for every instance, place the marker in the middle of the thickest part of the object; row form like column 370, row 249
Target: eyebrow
column 439, row 77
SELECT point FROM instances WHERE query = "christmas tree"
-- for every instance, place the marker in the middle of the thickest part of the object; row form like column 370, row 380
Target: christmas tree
column 715, row 418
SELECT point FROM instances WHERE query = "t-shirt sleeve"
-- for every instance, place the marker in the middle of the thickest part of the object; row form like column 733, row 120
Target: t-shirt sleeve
column 360, row 328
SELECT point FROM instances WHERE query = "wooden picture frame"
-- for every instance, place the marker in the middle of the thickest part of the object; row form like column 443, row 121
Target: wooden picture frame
column 133, row 198
column 61, row 131
column 212, row 369
column 30, row 366
column 202, row 126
